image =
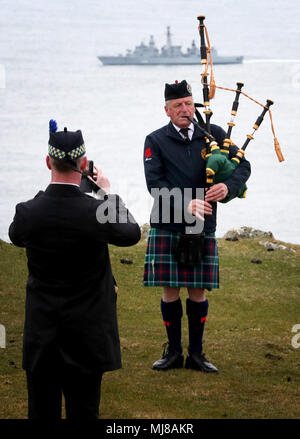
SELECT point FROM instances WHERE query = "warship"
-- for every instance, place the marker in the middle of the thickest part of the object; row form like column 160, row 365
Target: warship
column 168, row 55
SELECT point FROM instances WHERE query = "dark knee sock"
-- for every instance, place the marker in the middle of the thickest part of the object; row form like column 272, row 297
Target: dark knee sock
column 196, row 313
column 172, row 314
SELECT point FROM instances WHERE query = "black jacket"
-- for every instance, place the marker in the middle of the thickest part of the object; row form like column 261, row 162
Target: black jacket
column 70, row 300
column 170, row 162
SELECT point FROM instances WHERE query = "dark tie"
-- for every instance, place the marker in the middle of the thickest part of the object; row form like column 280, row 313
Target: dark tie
column 184, row 132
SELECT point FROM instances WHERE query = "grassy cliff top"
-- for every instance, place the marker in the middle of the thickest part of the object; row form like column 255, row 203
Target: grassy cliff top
column 248, row 337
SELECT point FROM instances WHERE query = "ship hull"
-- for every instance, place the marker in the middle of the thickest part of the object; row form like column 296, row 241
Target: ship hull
column 135, row 61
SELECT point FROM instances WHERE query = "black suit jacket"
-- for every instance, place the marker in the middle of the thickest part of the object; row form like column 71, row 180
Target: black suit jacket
column 170, row 162
column 71, row 300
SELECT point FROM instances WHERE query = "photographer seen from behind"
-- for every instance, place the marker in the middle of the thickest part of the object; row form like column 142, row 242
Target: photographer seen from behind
column 71, row 332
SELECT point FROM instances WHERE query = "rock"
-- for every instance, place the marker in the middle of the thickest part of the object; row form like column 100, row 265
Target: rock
column 247, row 232
column 232, row 238
column 273, row 357
column 126, row 261
column 256, row 261
column 272, row 246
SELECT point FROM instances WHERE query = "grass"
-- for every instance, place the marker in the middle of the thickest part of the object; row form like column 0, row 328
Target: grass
column 248, row 337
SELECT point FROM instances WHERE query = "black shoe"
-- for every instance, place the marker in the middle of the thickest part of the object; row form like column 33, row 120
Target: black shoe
column 199, row 362
column 169, row 360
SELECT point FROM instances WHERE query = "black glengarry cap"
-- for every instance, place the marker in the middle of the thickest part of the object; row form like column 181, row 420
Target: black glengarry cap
column 65, row 145
column 177, row 90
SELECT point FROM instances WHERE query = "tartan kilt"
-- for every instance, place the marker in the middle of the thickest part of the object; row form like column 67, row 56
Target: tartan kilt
column 161, row 268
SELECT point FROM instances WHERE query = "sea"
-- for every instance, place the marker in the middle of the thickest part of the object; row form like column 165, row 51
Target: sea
column 49, row 70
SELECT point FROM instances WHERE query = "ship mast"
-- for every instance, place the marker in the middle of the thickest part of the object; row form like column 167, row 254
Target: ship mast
column 169, row 41
column 151, row 42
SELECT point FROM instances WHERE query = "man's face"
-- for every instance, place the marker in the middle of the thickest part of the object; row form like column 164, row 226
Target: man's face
column 176, row 109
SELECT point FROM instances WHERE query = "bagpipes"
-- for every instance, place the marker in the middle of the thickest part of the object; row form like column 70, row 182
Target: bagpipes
column 218, row 165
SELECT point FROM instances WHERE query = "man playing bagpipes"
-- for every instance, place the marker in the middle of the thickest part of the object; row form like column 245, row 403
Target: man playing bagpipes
column 176, row 256
column 180, row 159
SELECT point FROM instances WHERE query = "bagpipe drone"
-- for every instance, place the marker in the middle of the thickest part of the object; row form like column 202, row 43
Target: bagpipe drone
column 218, row 165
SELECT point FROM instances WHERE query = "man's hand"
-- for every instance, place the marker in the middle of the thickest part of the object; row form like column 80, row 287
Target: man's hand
column 199, row 207
column 100, row 180
column 217, row 192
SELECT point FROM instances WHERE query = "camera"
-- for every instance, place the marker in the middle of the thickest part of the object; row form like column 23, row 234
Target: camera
column 89, row 170
column 86, row 184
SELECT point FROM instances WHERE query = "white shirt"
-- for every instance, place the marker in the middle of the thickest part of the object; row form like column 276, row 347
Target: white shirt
column 59, row 182
column 190, row 131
